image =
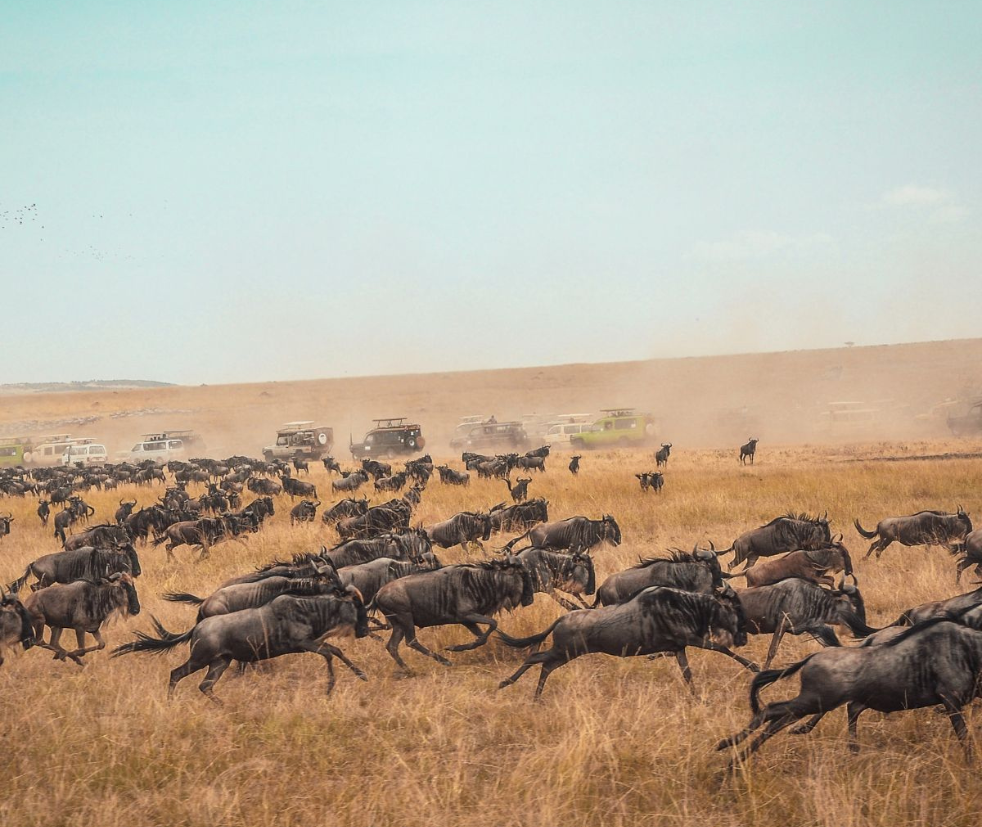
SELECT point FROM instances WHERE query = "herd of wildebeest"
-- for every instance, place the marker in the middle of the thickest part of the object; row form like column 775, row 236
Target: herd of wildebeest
column 384, row 575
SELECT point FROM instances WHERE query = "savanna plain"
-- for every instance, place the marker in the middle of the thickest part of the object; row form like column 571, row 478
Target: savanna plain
column 614, row 741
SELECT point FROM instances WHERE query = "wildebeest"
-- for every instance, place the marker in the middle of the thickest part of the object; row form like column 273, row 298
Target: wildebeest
column 80, row 564
column 352, row 482
column 345, row 508
column 448, row 476
column 748, row 450
column 789, row 532
column 297, row 488
column 519, row 491
column 698, row 571
column 661, row 456
column 203, row 533
column 369, row 577
column 410, row 545
column 556, row 571
column 816, row 566
column 574, row 464
column 376, row 469
column 100, row 536
column 573, row 533
column 396, row 482
column 531, row 463
column 940, row 608
column 63, row 521
column 970, row 550
column 651, row 479
column 304, row 511
column 83, row 606
column 467, row 593
column 938, row 662
column 44, row 510
column 331, row 465
column 124, row 511
column 238, row 596
column 268, row 488
column 798, row 607
column 658, row 620
column 5, row 525
column 301, row 465
column 519, row 516
column 930, row 528
column 461, row 529
column 284, row 626
column 15, row 624
column 387, row 517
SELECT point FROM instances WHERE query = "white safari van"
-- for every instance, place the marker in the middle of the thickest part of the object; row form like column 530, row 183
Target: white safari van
column 159, row 450
column 85, row 453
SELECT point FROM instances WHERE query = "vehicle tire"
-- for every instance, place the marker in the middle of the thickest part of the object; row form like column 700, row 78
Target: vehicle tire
column 322, row 438
column 411, row 443
column 28, row 456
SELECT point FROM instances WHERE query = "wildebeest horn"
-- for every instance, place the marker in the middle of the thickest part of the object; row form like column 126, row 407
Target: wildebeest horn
column 114, row 577
column 712, row 546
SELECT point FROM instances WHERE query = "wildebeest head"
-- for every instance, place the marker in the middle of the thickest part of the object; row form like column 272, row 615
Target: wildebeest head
column 582, row 572
column 610, row 531
column 361, row 624
column 486, row 522
column 134, row 559
column 963, row 518
column 728, row 622
column 709, row 557
column 125, row 582
column 11, row 602
column 512, row 563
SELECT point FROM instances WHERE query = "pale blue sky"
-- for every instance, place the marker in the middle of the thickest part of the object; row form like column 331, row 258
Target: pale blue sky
column 251, row 191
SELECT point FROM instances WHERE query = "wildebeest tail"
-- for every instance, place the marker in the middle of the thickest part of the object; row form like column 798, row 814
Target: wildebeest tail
column 183, row 597
column 18, row 584
column 769, row 676
column 856, row 624
column 159, row 541
column 511, row 543
column 869, row 535
column 531, row 640
column 148, row 643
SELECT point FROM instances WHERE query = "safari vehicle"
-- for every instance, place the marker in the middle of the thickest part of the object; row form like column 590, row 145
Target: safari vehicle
column 192, row 441
column 85, row 452
column 506, row 435
column 390, row 437
column 619, row 427
column 156, row 448
column 303, row 440
column 48, row 450
column 970, row 423
column 11, row 452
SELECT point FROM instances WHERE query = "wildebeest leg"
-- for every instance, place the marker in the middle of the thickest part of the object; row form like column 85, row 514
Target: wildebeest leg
column 962, row 565
column 329, row 651
column 413, row 642
column 562, row 601
column 778, row 716
column 189, row 667
column 82, row 649
column 470, row 623
column 776, row 640
column 954, row 711
column 854, row 710
column 809, row 725
column 215, row 671
column 715, row 647
column 683, row 662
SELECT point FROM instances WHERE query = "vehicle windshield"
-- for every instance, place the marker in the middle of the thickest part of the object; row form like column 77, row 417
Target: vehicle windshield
column 282, row 440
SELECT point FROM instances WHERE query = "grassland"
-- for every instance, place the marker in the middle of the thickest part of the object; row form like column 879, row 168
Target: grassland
column 614, row 741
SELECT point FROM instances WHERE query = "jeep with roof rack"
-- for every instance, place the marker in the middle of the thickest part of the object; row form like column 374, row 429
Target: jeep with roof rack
column 617, row 428
column 390, row 437
column 301, row 439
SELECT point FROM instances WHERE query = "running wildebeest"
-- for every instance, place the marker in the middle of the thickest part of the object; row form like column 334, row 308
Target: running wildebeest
column 971, row 549
column 698, row 571
column 658, row 620
column 651, row 479
column 556, row 571
column 352, row 482
column 818, row 566
column 574, row 464
column 203, row 533
column 369, row 577
column 934, row 663
column 377, row 469
column 466, row 593
column 462, row 529
column 239, row 596
column 64, row 520
column 287, row 625
column 798, row 607
column 661, row 456
column 83, row 606
column 15, row 624
column 519, row 492
column 940, row 609
column 44, row 510
column 519, row 516
column 789, row 532
column 450, row 477
column 124, row 511
column 929, row 528
column 80, row 564
column 304, row 511
column 573, row 533
column 5, row 525
column 748, row 450
column 345, row 508
column 99, row 536
column 410, row 545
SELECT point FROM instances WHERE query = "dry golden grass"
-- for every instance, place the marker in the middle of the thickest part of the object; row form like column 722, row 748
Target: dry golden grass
column 614, row 741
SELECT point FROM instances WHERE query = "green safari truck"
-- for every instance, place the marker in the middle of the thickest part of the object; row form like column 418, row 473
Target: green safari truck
column 617, row 428
column 11, row 452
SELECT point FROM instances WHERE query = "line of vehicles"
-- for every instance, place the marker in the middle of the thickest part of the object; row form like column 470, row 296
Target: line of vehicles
column 49, row 450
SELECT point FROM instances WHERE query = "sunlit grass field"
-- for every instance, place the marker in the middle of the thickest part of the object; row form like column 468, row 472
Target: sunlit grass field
column 615, row 741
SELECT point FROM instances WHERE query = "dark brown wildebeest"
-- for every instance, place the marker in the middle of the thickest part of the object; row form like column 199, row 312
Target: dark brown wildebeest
column 971, row 550
column 379, row 519
column 83, row 606
column 297, row 488
column 15, row 624
column 656, row 621
column 938, row 662
column 203, row 533
column 239, row 596
column 574, row 464
column 696, row 572
column 519, row 516
column 662, row 455
column 124, row 511
column 927, row 528
column 789, row 532
column 369, row 577
column 940, row 609
column 331, row 465
column 520, row 490
column 462, row 529
column 573, row 533
column 44, row 511
column 801, row 607
column 80, row 564
column 528, row 463
column 748, row 450
column 301, row 465
column 467, row 593
column 651, row 479
column 99, row 536
column 410, row 545
column 450, row 477
column 345, row 508
column 377, row 469
column 352, row 482
column 5, row 525
column 817, row 566
column 287, row 625
column 304, row 511
column 396, row 482
column 556, row 571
